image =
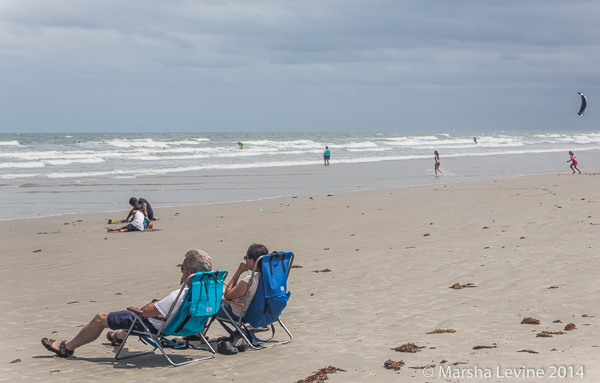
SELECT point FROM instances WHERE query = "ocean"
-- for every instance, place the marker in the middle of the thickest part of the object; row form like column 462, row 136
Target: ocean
column 55, row 174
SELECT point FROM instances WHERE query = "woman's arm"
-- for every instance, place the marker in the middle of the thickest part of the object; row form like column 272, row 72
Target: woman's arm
column 238, row 291
column 235, row 289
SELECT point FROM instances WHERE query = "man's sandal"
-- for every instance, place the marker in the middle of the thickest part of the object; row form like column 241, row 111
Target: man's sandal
column 112, row 338
column 62, row 351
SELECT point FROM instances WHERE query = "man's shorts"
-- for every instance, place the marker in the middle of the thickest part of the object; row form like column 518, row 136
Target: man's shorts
column 326, row 157
column 122, row 320
column 130, row 227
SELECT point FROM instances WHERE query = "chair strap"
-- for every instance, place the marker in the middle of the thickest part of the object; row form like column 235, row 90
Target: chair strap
column 282, row 256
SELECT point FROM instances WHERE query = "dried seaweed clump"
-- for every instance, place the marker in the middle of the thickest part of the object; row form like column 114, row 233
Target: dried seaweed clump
column 458, row 286
column 423, row 367
column 322, row 271
column 557, row 321
column 548, row 334
column 570, row 327
column 296, row 267
column 480, row 347
column 530, row 320
column 553, row 287
column 392, row 365
column 321, row 375
column 16, row 360
column 408, row 347
column 529, row 351
column 440, row 331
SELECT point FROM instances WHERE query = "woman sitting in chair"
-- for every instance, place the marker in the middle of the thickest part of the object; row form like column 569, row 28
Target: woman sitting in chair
column 236, row 292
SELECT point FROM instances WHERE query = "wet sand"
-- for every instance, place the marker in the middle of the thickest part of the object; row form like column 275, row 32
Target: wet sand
column 393, row 254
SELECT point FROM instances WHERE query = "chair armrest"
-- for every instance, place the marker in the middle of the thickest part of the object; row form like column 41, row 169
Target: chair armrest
column 135, row 310
column 139, row 312
column 233, row 302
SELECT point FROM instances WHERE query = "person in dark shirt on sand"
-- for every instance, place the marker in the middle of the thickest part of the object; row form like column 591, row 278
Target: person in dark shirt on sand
column 145, row 208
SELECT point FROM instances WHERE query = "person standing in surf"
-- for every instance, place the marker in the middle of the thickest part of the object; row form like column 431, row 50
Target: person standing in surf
column 573, row 162
column 437, row 162
column 326, row 155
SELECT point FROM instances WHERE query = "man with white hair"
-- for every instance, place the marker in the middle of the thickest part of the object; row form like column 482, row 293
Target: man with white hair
column 120, row 321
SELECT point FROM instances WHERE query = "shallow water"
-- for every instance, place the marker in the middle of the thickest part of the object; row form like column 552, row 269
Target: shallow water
column 49, row 174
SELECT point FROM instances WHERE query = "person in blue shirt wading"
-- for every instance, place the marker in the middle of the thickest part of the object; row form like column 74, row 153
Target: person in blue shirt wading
column 326, row 155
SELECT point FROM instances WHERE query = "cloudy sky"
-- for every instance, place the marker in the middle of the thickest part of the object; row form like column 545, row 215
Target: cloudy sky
column 301, row 65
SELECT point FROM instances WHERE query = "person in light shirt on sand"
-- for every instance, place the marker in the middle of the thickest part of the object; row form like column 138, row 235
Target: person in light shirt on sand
column 120, row 321
column 136, row 224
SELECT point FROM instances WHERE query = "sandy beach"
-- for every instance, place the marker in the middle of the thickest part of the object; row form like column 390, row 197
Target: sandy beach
column 529, row 244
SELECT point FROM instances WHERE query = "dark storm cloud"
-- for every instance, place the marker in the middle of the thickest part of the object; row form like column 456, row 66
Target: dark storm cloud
column 380, row 58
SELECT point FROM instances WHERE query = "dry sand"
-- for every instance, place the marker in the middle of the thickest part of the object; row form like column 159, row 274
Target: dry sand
column 392, row 255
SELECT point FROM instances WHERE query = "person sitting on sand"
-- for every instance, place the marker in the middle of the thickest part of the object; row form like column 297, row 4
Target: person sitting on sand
column 146, row 208
column 236, row 291
column 120, row 321
column 136, row 224
column 573, row 162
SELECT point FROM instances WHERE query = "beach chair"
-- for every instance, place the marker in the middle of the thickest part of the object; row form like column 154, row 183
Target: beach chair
column 270, row 299
column 201, row 302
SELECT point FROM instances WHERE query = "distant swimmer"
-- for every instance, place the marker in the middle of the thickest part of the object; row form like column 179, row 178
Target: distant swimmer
column 437, row 163
column 326, row 155
column 475, row 139
column 573, row 162
column 241, row 145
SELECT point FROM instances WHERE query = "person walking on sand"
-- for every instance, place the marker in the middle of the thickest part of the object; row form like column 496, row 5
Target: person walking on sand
column 326, row 155
column 573, row 162
column 437, row 162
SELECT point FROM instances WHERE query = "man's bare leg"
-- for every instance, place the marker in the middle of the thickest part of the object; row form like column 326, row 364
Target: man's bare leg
column 88, row 334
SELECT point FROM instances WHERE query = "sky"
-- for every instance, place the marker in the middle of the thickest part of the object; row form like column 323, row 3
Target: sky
column 301, row 65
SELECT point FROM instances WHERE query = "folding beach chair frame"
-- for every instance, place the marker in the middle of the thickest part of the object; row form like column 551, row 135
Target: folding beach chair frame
column 155, row 340
column 239, row 325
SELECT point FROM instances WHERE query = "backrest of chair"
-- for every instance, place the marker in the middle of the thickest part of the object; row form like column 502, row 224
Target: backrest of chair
column 202, row 300
column 271, row 294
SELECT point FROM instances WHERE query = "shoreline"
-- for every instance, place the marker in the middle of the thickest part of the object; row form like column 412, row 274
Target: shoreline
column 388, row 283
column 439, row 179
column 208, row 187
column 276, row 197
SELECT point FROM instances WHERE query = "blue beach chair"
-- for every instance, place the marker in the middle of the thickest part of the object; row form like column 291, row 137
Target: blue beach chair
column 269, row 301
column 202, row 301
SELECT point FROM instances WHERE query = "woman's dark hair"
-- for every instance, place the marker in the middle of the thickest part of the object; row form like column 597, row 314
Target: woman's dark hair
column 436, row 153
column 255, row 251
